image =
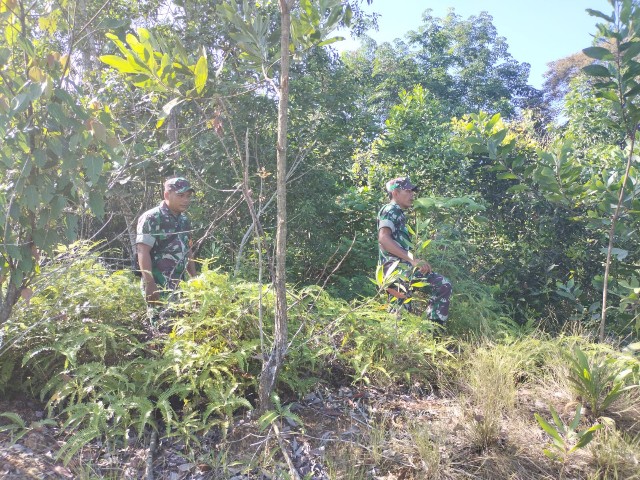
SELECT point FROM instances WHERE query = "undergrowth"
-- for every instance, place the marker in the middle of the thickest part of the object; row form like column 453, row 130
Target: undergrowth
column 82, row 345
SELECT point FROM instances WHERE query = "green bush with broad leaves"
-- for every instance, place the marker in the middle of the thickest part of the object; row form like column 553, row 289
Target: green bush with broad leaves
column 57, row 148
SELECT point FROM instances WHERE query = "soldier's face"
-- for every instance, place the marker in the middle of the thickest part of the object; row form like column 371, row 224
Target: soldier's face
column 404, row 198
column 178, row 202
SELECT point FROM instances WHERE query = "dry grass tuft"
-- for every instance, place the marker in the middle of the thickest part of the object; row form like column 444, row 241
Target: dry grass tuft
column 616, row 455
column 491, row 394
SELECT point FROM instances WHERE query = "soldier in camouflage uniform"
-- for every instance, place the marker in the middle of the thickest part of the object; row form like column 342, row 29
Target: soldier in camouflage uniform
column 163, row 242
column 395, row 249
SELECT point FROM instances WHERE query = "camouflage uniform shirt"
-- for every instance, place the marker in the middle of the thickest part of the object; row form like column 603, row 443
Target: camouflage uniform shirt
column 168, row 235
column 438, row 287
column 392, row 216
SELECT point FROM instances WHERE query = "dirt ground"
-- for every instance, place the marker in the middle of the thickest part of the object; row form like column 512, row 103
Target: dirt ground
column 348, row 433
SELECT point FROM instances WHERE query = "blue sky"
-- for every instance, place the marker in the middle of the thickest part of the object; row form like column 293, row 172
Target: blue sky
column 537, row 31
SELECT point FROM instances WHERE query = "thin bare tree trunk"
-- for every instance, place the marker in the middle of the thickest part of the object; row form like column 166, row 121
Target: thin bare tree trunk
column 612, row 230
column 272, row 365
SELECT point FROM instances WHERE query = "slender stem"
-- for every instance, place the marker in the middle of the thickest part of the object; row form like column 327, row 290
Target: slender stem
column 614, row 220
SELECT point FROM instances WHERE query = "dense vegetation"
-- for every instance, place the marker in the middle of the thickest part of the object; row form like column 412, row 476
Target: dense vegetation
column 528, row 203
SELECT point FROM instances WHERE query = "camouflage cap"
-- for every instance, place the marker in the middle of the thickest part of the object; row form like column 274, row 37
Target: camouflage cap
column 178, row 185
column 403, row 183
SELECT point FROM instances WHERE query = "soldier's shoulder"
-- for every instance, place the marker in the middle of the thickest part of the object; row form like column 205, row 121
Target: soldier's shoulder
column 151, row 214
column 390, row 208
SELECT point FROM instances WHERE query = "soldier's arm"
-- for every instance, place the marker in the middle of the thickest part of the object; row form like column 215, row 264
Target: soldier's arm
column 386, row 241
column 144, row 261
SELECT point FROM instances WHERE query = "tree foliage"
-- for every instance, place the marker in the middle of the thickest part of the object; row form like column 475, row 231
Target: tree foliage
column 58, row 146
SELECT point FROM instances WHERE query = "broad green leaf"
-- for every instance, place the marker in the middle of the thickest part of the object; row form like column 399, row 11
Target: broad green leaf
column 632, row 92
column 490, row 124
column 201, row 72
column 630, row 49
column 96, row 203
column 597, row 71
column 12, row 31
column 93, row 166
column 608, row 94
column 31, row 198
column 507, row 176
column 121, row 64
column 71, row 226
column 599, row 53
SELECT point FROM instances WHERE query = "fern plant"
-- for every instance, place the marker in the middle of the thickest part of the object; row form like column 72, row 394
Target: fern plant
column 18, row 428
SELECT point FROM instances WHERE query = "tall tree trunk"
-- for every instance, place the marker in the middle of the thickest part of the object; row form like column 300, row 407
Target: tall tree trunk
column 272, row 365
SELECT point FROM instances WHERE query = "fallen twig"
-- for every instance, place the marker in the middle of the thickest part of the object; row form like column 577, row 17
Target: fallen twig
column 287, row 457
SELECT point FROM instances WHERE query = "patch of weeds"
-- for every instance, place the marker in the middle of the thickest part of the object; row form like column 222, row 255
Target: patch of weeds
column 616, row 454
column 345, row 462
column 427, row 447
column 491, row 392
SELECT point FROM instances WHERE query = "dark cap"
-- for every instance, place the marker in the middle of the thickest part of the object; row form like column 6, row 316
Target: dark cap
column 403, row 183
column 178, row 185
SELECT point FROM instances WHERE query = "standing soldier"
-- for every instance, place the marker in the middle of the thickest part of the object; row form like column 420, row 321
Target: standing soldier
column 395, row 248
column 163, row 242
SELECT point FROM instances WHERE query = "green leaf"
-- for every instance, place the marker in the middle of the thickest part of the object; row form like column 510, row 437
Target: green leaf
column 608, row 94
column 329, row 41
column 202, row 72
column 267, row 419
column 553, row 433
column 557, row 421
column 596, row 71
column 31, row 198
column 71, row 227
column 518, row 188
column 121, row 64
column 632, row 92
column 630, row 49
column 576, row 419
column 506, row 176
column 93, row 166
column 348, row 15
column 596, row 13
column 96, row 203
column 585, row 437
column 599, row 53
column 492, row 122
column 166, row 110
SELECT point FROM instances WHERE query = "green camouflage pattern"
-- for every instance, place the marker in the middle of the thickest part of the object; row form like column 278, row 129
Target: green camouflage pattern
column 169, row 236
column 437, row 287
column 392, row 216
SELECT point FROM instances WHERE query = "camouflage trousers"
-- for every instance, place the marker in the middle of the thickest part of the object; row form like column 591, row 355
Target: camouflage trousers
column 436, row 287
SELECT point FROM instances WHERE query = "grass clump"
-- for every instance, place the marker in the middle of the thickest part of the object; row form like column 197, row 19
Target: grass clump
column 491, row 393
column 616, row 454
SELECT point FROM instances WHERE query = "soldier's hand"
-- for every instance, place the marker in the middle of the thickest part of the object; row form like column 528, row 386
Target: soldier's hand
column 151, row 292
column 422, row 265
